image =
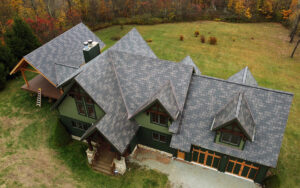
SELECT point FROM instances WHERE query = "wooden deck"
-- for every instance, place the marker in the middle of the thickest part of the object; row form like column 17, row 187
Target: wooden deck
column 48, row 90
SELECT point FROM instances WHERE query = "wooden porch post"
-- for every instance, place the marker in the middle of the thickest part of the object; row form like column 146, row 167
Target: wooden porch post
column 89, row 144
column 24, row 77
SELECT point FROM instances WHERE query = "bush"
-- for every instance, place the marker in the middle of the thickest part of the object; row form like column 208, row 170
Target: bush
column 212, row 40
column 116, row 38
column 202, row 39
column 272, row 181
column 196, row 33
column 149, row 40
column 181, row 37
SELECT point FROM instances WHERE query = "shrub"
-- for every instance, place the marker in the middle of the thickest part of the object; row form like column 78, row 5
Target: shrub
column 149, row 40
column 196, row 33
column 122, row 27
column 115, row 38
column 59, row 136
column 181, row 37
column 202, row 39
column 212, row 40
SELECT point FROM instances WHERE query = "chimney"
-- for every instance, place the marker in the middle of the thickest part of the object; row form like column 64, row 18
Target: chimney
column 91, row 49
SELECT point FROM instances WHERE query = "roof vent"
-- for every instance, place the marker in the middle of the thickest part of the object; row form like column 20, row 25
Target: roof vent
column 91, row 50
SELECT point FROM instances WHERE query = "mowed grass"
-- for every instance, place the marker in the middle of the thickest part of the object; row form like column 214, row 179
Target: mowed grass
column 263, row 47
column 35, row 150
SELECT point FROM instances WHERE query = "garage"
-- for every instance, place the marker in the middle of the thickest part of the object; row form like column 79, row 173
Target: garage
column 242, row 168
column 206, row 157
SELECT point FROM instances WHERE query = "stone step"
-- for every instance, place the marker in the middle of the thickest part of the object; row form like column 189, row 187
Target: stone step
column 100, row 169
column 102, row 164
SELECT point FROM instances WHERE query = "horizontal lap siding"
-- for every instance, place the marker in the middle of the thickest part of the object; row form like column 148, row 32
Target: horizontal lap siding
column 67, row 122
column 145, row 138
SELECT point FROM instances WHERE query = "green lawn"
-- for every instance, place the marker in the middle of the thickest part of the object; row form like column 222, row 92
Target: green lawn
column 263, row 47
column 33, row 153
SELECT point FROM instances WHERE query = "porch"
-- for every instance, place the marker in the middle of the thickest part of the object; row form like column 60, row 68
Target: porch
column 48, row 90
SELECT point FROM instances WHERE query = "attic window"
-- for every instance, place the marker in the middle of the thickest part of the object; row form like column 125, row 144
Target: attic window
column 229, row 138
column 158, row 116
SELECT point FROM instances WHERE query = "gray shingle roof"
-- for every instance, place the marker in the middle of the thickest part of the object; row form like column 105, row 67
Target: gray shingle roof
column 237, row 109
column 133, row 43
column 166, row 97
column 208, row 95
column 64, row 50
column 100, row 82
column 243, row 77
column 114, row 79
column 188, row 61
column 141, row 77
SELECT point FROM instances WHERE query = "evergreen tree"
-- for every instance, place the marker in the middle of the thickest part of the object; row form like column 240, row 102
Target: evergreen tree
column 7, row 59
column 20, row 39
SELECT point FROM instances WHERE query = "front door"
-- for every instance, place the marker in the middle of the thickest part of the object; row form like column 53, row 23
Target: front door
column 180, row 155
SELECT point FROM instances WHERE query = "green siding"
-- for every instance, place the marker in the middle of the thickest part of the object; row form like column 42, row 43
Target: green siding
column 132, row 144
column 145, row 138
column 260, row 176
column 217, row 140
column 68, row 108
column 223, row 163
column 67, row 122
column 144, row 120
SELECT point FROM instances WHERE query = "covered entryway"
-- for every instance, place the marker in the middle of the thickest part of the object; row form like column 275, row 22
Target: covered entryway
column 206, row 157
column 242, row 168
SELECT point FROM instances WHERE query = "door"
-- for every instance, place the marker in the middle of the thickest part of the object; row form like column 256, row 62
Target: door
column 206, row 157
column 242, row 168
column 180, row 155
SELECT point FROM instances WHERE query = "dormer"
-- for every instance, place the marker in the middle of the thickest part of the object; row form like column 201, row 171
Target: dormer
column 234, row 124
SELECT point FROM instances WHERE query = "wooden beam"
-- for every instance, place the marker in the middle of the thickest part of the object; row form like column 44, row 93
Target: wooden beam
column 17, row 66
column 30, row 70
column 24, row 77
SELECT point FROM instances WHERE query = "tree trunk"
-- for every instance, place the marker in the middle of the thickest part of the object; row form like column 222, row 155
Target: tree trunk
column 295, row 48
column 293, row 33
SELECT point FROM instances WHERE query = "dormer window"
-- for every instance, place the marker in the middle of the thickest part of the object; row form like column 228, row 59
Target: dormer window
column 229, row 138
column 234, row 123
column 158, row 115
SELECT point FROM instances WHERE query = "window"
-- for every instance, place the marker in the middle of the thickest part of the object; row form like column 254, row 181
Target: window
column 159, row 137
column 230, row 138
column 159, row 119
column 80, row 125
column 85, row 105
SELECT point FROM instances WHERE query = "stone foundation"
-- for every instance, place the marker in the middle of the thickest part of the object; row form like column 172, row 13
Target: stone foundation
column 120, row 165
column 91, row 154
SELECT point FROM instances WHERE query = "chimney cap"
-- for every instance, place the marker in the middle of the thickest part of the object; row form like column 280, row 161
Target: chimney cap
column 85, row 43
column 90, row 41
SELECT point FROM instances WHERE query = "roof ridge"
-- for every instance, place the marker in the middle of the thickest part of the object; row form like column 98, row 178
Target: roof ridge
column 245, row 75
column 238, row 107
column 251, row 86
column 173, row 93
column 118, row 81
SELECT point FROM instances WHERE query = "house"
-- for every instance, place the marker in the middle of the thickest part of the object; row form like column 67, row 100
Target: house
column 126, row 96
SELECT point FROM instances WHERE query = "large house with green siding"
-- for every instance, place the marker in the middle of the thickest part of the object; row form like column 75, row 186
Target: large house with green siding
column 125, row 96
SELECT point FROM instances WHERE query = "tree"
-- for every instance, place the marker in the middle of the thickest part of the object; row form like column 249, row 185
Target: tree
column 20, row 38
column 3, row 74
column 7, row 59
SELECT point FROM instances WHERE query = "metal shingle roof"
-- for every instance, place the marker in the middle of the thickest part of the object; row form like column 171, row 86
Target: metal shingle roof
column 208, row 95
